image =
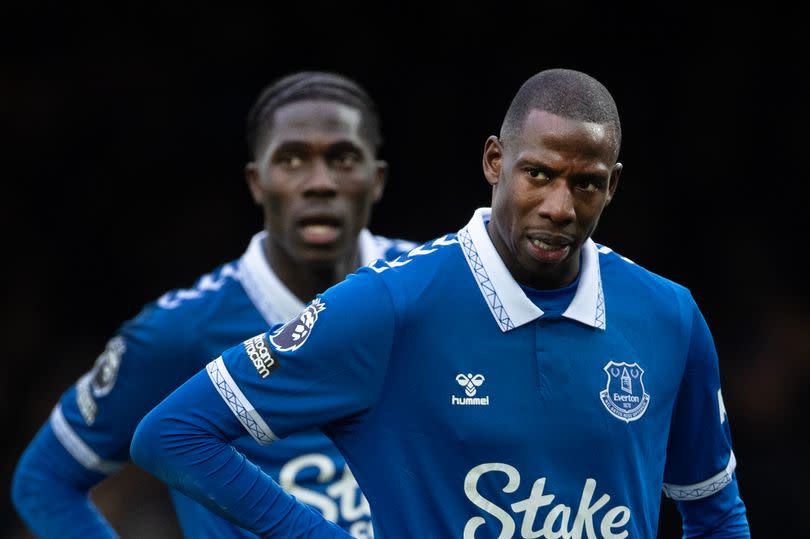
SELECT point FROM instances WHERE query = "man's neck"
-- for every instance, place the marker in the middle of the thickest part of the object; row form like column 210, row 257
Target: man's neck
column 306, row 279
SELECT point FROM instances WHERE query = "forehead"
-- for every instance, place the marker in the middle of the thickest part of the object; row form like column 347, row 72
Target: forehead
column 548, row 130
column 302, row 120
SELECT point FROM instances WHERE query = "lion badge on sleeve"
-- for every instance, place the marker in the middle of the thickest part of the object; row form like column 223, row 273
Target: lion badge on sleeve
column 292, row 335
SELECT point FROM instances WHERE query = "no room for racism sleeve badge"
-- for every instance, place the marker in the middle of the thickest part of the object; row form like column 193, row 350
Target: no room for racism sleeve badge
column 292, row 335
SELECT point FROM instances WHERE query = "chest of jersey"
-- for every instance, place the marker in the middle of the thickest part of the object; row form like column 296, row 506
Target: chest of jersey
column 556, row 382
column 539, row 424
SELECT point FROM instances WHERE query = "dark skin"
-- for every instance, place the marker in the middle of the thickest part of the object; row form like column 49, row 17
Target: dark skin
column 316, row 177
column 550, row 183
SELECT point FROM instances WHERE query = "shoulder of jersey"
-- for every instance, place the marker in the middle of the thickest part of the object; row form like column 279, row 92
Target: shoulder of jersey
column 611, row 261
column 207, row 288
column 416, row 254
column 392, row 248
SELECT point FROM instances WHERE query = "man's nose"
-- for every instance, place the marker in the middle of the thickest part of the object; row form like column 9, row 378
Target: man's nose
column 321, row 180
column 558, row 201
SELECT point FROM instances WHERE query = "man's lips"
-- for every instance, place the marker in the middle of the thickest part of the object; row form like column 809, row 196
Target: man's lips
column 319, row 229
column 319, row 234
column 549, row 247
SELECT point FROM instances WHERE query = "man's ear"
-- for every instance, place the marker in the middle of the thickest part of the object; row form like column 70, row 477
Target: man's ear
column 254, row 182
column 493, row 159
column 613, row 182
column 380, row 177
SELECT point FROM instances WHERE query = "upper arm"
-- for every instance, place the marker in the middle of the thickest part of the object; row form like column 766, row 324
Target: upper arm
column 95, row 418
column 700, row 465
column 321, row 367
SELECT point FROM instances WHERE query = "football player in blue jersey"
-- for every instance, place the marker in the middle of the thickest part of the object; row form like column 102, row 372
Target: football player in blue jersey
column 315, row 172
column 510, row 379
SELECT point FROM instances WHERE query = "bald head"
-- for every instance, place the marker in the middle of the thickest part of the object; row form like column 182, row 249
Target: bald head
column 564, row 92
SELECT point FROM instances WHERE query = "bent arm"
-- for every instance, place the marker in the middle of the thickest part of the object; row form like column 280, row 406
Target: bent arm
column 700, row 473
column 184, row 442
column 50, row 491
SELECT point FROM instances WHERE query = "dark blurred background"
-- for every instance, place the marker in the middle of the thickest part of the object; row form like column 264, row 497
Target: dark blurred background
column 121, row 136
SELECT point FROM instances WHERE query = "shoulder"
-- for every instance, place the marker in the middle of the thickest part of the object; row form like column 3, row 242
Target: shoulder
column 426, row 267
column 204, row 289
column 417, row 257
column 391, row 248
column 183, row 309
column 622, row 277
column 621, row 265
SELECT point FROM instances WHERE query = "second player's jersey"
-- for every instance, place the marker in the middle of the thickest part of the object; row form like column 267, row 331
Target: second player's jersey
column 466, row 411
column 172, row 339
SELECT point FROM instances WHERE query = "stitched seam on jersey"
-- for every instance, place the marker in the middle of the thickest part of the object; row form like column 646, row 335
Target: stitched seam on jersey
column 238, row 403
column 484, row 283
column 76, row 446
column 704, row 488
column 395, row 324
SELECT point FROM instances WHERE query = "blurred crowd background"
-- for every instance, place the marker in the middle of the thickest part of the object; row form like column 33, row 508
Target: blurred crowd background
column 122, row 143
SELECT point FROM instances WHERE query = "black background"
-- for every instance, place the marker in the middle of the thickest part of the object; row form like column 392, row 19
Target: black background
column 121, row 136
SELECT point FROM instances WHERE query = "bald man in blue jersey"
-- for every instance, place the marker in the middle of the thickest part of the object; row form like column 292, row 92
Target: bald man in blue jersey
column 510, row 379
column 315, row 172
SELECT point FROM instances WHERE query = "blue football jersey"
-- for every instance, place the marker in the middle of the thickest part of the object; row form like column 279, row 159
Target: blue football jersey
column 173, row 338
column 466, row 411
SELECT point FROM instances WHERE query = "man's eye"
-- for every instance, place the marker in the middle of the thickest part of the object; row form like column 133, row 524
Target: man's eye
column 589, row 186
column 537, row 174
column 346, row 160
column 290, row 161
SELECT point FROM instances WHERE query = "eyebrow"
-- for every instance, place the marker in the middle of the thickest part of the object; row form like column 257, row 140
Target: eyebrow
column 305, row 145
column 552, row 171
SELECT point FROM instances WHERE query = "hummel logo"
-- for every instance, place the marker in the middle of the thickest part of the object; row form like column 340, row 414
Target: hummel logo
column 470, row 383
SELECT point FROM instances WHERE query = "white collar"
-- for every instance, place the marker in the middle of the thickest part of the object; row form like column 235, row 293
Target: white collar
column 268, row 293
column 507, row 301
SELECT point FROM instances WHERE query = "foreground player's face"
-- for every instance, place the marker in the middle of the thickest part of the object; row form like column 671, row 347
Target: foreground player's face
column 551, row 182
column 317, row 179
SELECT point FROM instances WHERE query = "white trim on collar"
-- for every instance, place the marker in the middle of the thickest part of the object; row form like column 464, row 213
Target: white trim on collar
column 507, row 302
column 370, row 248
column 588, row 305
column 268, row 293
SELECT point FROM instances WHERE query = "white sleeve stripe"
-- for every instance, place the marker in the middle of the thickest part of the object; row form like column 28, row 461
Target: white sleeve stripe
column 238, row 403
column 76, row 446
column 705, row 488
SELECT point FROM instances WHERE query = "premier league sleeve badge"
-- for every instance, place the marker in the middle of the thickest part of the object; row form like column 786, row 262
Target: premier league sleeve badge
column 292, row 335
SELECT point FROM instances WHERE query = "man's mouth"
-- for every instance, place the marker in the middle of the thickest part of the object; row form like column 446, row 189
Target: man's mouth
column 546, row 246
column 549, row 250
column 319, row 230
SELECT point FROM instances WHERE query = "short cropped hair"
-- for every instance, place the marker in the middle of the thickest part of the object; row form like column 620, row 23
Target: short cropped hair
column 564, row 92
column 311, row 86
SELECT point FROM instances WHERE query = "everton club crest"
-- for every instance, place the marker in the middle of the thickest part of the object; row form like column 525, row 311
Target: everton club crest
column 292, row 335
column 624, row 395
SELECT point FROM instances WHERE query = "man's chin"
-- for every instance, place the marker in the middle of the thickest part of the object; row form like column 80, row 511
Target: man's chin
column 320, row 255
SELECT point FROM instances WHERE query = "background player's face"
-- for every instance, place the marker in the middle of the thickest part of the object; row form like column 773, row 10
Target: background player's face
column 317, row 179
column 551, row 182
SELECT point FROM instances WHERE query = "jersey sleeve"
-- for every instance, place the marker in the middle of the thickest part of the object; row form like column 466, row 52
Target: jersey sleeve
column 321, row 368
column 88, row 433
column 49, row 490
column 700, row 468
column 185, row 442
